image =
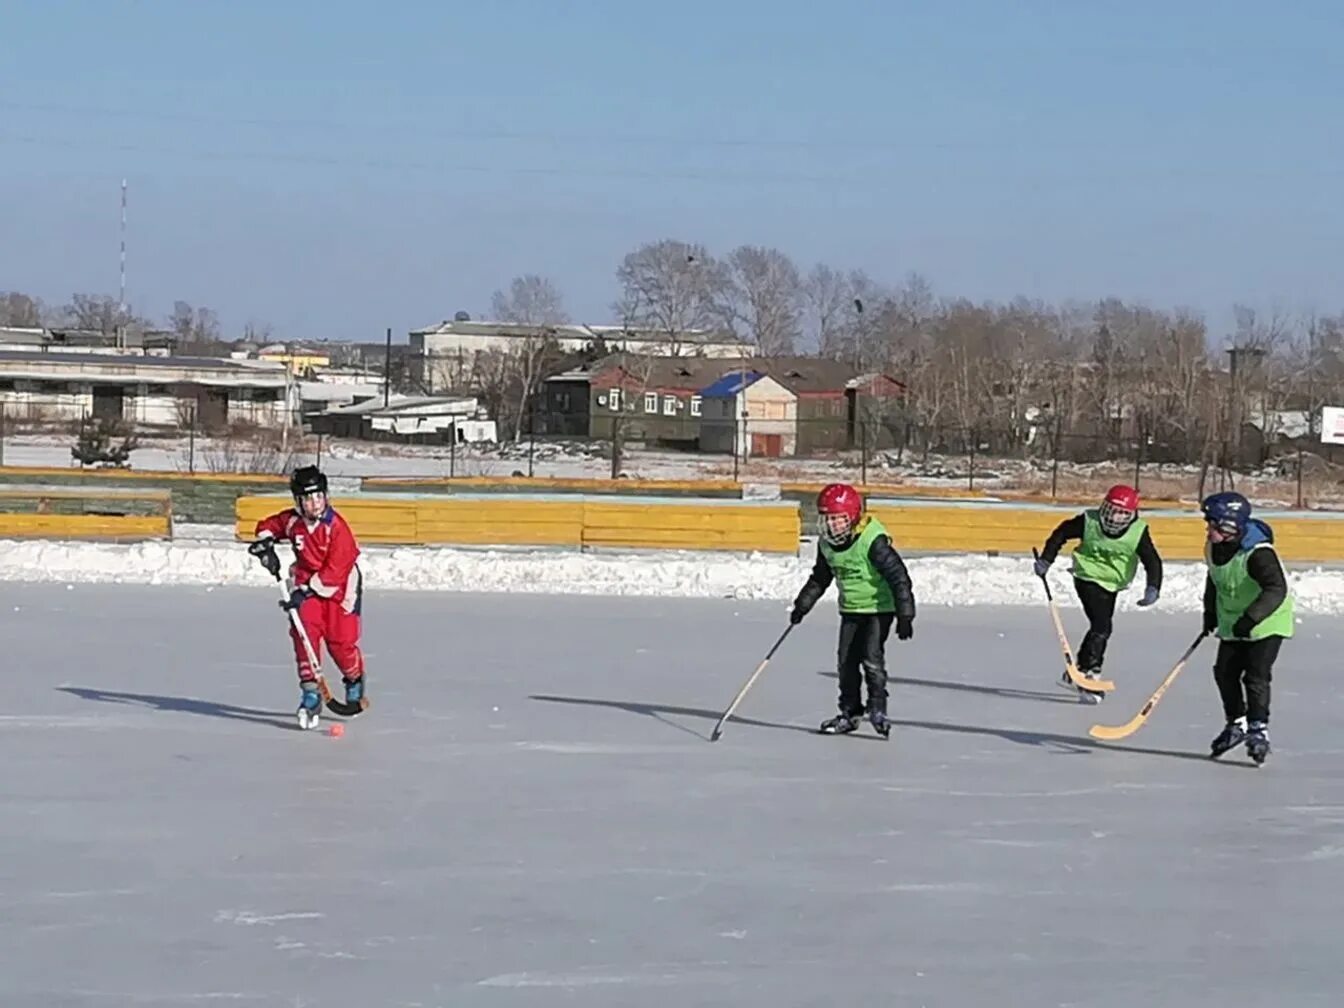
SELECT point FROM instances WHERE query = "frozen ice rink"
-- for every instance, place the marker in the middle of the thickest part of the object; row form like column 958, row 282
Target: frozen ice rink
column 169, row 837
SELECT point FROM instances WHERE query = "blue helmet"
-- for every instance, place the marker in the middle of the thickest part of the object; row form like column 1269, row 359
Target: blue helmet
column 1230, row 512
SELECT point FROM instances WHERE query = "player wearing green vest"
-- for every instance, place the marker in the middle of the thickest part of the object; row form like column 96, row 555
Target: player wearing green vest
column 1247, row 604
column 1113, row 541
column 855, row 552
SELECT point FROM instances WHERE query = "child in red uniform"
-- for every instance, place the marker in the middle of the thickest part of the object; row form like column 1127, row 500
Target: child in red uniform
column 327, row 587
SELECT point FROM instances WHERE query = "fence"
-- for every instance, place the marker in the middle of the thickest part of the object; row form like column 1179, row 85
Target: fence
column 1042, row 459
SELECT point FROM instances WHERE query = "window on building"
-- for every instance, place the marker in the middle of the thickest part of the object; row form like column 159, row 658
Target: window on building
column 614, row 400
column 669, row 405
column 650, row 402
column 695, row 405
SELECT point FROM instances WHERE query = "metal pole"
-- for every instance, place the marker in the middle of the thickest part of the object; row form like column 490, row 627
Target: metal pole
column 387, row 369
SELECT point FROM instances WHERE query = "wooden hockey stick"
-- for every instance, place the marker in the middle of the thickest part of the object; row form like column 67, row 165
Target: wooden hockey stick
column 1111, row 733
column 718, row 728
column 1075, row 677
column 335, row 706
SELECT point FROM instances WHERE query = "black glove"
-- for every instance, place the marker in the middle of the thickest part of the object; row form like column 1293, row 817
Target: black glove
column 1243, row 627
column 296, row 599
column 905, row 627
column 1210, row 622
column 796, row 614
column 264, row 550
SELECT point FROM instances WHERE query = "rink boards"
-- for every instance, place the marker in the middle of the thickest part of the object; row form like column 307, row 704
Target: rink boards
column 608, row 521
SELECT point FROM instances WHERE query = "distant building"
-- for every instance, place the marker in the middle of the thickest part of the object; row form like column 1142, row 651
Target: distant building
column 143, row 389
column 809, row 405
column 445, row 355
column 419, row 419
column 748, row 413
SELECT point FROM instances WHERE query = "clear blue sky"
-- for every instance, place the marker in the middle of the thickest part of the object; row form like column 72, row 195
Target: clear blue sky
column 334, row 167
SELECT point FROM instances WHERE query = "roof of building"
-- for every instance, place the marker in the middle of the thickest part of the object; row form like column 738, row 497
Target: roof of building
column 800, row 375
column 109, row 361
column 731, row 384
column 578, row 331
column 405, row 404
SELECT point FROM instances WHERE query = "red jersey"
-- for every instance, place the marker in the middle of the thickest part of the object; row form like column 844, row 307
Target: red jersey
column 326, row 554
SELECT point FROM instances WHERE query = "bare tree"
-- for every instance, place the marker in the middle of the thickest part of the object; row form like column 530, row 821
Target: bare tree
column 260, row 333
column 672, row 288
column 530, row 300
column 21, row 310
column 533, row 302
column 100, row 313
column 826, row 298
column 765, row 296
column 193, row 325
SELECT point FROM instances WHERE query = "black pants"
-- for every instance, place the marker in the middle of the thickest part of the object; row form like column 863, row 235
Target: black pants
column 1099, row 607
column 1243, row 670
column 863, row 658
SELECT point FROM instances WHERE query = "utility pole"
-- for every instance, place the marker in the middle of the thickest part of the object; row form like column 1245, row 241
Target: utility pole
column 387, row 369
column 1234, row 399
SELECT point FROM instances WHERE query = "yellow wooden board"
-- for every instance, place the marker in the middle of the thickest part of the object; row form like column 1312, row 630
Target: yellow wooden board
column 15, row 525
column 1007, row 529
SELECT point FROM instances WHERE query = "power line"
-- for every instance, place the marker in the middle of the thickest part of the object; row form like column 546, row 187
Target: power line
column 346, row 127
column 1066, row 174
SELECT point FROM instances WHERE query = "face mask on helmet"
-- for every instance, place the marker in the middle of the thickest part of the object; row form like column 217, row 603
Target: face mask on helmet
column 1114, row 518
column 836, row 527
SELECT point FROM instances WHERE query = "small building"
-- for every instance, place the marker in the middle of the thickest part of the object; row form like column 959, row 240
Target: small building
column 419, row 419
column 169, row 391
column 651, row 399
column 748, row 413
column 445, row 355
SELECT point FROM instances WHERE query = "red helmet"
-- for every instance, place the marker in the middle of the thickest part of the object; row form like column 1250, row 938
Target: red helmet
column 838, row 509
column 1119, row 509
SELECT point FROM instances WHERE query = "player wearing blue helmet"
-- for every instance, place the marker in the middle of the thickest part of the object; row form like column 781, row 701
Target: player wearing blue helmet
column 1248, row 605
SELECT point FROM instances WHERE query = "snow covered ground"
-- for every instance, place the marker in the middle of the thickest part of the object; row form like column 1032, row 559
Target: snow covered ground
column 207, row 555
column 531, row 814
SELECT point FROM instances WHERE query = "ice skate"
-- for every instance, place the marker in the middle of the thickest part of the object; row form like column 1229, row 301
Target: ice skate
column 1087, row 695
column 880, row 724
column 1229, row 738
column 309, row 714
column 354, row 693
column 841, row 724
column 1257, row 741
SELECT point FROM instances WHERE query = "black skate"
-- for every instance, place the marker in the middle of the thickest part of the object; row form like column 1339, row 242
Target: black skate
column 1257, row 741
column 880, row 724
column 841, row 724
column 1087, row 695
column 1229, row 738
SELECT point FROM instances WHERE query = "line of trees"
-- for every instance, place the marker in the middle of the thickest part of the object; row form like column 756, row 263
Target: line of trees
column 1080, row 379
column 1021, row 374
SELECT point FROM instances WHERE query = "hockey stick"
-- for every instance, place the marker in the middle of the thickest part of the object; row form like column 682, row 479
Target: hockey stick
column 1111, row 733
column 718, row 728
column 1091, row 685
column 335, row 706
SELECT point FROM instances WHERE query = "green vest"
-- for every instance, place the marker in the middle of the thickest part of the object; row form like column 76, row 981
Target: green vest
column 1236, row 590
column 862, row 588
column 1101, row 559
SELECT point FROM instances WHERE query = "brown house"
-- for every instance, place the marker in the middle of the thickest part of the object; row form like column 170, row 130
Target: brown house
column 653, row 399
column 658, row 400
column 838, row 409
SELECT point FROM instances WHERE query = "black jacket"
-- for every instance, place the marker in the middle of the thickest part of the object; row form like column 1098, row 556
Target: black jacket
column 1072, row 528
column 883, row 556
column 1264, row 568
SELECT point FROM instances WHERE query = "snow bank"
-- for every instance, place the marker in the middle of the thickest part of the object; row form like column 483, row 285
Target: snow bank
column 948, row 580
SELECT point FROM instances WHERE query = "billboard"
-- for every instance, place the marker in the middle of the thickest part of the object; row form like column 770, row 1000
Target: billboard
column 1332, row 425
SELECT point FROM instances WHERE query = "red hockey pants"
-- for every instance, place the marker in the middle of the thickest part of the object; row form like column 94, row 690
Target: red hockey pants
column 327, row 623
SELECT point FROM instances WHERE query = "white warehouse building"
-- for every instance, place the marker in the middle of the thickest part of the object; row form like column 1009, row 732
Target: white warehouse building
column 146, row 390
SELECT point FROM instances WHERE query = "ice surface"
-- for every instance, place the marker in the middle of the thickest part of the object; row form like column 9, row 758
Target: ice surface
column 169, row 837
